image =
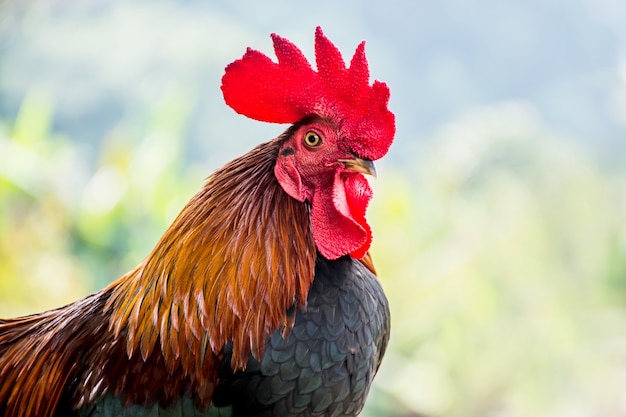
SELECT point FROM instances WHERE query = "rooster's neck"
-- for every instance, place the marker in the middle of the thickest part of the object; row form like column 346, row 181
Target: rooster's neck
column 238, row 256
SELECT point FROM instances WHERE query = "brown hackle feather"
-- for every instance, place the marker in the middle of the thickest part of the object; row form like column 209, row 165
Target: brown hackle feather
column 41, row 353
column 368, row 262
column 238, row 256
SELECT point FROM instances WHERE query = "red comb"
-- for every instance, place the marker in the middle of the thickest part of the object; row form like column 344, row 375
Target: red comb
column 289, row 90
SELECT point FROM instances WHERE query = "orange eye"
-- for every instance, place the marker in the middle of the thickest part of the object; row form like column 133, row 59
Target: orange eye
column 312, row 139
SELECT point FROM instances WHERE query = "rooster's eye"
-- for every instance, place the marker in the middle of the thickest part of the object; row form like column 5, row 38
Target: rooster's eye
column 312, row 139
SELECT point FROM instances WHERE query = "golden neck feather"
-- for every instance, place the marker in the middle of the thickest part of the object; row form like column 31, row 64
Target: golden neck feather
column 238, row 256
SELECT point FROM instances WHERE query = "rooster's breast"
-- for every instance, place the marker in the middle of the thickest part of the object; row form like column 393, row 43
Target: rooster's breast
column 326, row 364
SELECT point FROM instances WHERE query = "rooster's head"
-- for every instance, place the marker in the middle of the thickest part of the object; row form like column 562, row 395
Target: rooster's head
column 341, row 124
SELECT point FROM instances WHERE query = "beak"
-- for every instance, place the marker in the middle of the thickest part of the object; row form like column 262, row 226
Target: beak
column 364, row 166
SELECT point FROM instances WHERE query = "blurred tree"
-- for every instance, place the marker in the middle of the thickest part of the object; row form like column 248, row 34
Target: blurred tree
column 501, row 256
column 69, row 226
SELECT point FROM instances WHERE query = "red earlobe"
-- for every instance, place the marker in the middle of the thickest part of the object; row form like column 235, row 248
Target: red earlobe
column 289, row 178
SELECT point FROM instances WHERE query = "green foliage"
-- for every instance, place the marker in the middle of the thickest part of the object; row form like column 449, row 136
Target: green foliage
column 502, row 250
column 70, row 222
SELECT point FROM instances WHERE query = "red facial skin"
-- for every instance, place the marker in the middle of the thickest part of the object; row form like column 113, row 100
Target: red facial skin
column 314, row 172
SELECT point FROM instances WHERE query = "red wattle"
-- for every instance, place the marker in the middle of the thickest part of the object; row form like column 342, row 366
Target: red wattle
column 359, row 194
column 338, row 217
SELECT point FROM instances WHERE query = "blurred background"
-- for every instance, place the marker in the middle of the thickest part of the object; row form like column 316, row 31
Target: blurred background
column 499, row 214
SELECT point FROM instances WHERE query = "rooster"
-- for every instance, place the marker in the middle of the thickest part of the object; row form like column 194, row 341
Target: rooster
column 261, row 298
